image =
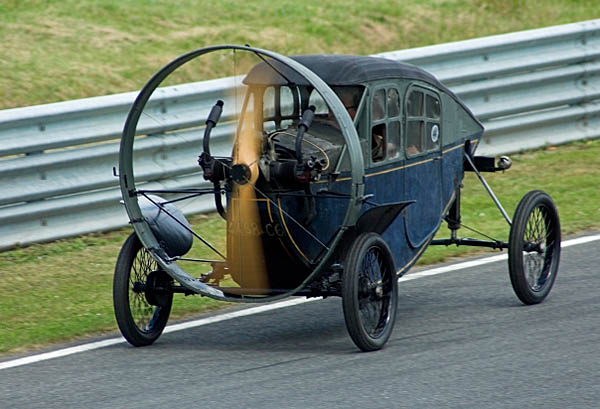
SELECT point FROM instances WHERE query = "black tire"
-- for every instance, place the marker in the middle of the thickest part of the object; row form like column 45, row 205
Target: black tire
column 140, row 322
column 369, row 292
column 534, row 247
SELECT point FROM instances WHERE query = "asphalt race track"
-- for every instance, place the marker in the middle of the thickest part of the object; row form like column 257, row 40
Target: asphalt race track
column 462, row 340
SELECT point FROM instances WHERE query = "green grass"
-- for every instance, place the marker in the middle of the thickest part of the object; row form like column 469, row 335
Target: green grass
column 59, row 50
column 63, row 290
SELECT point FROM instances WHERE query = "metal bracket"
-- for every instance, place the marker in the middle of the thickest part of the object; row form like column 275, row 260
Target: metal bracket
column 488, row 188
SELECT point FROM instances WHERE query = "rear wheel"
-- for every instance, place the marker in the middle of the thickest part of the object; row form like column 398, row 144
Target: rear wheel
column 369, row 292
column 534, row 247
column 141, row 296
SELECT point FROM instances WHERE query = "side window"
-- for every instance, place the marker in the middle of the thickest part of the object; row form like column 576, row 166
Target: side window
column 423, row 122
column 386, row 124
column 394, row 123
column 378, row 105
column 378, row 144
column 414, row 106
column 317, row 100
column 287, row 101
column 378, row 126
column 414, row 137
column 269, row 103
column 433, row 107
column 414, row 123
column 393, row 103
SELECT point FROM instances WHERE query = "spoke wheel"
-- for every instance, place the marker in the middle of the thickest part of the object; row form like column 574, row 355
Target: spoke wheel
column 137, row 285
column 534, row 248
column 369, row 292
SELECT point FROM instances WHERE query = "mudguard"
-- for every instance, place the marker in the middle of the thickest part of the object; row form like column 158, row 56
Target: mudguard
column 377, row 219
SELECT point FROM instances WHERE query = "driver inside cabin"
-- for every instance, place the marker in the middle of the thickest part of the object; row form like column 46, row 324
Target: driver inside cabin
column 325, row 120
column 349, row 96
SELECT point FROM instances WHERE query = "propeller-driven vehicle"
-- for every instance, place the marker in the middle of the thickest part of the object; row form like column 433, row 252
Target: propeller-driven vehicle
column 339, row 172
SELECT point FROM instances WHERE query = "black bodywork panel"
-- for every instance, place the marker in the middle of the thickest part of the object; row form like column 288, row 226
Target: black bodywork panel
column 379, row 218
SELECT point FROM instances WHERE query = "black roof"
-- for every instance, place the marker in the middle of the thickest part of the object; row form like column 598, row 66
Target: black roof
column 338, row 70
column 344, row 70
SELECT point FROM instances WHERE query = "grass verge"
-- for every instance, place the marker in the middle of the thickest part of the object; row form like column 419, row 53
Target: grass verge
column 63, row 290
column 59, row 50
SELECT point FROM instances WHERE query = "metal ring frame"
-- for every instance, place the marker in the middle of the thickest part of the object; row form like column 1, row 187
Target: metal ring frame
column 127, row 180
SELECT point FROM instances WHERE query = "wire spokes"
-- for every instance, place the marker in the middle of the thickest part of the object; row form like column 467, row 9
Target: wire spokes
column 141, row 311
column 373, row 292
column 538, row 248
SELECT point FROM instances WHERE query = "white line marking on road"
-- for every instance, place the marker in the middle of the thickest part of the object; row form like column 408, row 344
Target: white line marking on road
column 60, row 353
column 453, row 267
column 236, row 314
column 267, row 307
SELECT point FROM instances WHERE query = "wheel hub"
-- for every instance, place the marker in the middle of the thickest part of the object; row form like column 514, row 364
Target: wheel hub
column 158, row 288
column 535, row 247
column 138, row 287
column 240, row 173
column 541, row 247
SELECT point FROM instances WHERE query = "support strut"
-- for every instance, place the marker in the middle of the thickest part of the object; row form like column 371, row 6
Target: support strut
column 469, row 242
column 488, row 188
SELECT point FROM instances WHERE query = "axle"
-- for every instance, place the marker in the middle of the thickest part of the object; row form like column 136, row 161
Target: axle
column 470, row 242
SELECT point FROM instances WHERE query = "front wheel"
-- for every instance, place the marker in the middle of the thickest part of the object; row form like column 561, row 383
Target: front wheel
column 369, row 292
column 141, row 294
column 534, row 247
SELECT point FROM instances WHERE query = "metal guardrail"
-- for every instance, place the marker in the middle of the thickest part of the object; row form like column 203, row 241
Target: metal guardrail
column 530, row 89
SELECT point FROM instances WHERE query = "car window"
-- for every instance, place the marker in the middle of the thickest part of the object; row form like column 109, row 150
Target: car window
column 414, row 105
column 378, row 105
column 414, row 137
column 378, row 143
column 433, row 107
column 269, row 102
column 394, row 139
column 393, row 103
column 423, row 125
column 317, row 100
column 386, row 124
column 287, row 101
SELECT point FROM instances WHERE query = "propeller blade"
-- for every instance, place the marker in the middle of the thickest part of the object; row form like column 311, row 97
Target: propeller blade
column 245, row 252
